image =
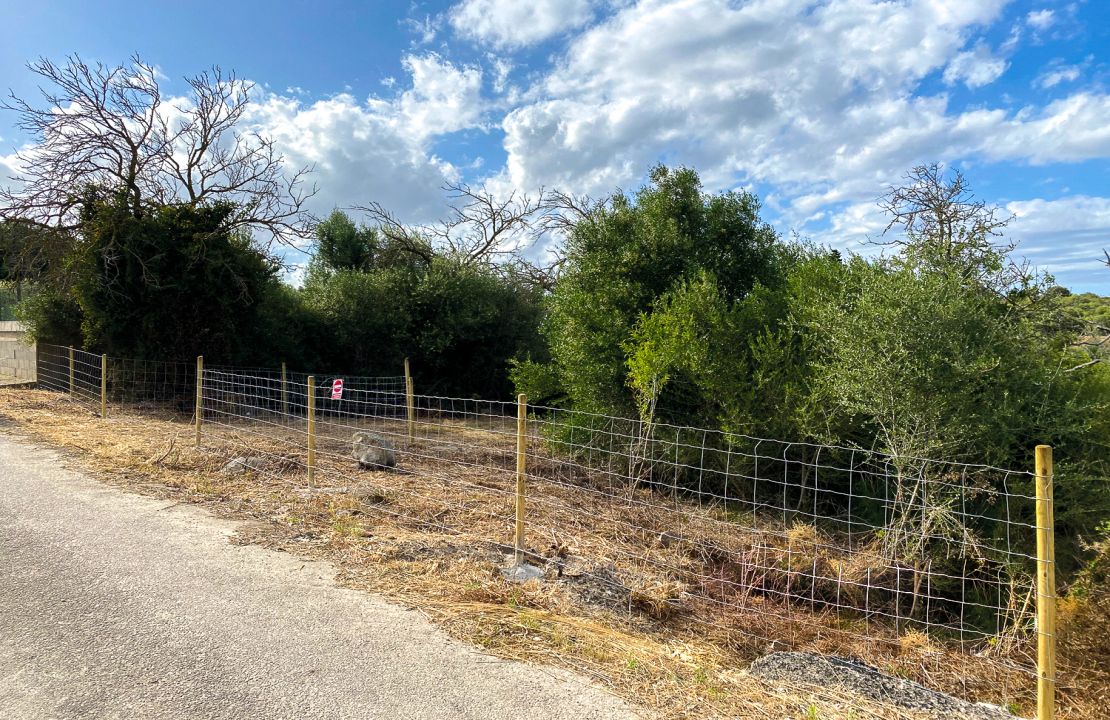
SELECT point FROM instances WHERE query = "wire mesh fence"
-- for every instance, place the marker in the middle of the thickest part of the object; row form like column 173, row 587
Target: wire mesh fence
column 797, row 545
column 843, row 540
column 171, row 385
column 74, row 372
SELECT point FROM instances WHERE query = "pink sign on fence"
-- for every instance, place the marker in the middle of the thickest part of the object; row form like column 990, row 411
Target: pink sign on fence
column 337, row 389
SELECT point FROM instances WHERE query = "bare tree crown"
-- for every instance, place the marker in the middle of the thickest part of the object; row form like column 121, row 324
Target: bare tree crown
column 111, row 127
column 483, row 229
column 941, row 220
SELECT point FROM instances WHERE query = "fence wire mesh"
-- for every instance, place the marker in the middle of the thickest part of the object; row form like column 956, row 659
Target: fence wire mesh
column 866, row 544
column 787, row 544
column 71, row 371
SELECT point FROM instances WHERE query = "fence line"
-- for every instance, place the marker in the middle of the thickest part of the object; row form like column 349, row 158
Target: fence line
column 814, row 540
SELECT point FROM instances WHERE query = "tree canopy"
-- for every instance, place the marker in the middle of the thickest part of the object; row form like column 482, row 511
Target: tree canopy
column 112, row 127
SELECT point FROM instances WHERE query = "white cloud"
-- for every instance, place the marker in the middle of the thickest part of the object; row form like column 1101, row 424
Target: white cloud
column 1057, row 73
column 360, row 154
column 425, row 29
column 1066, row 237
column 975, row 68
column 381, row 149
column 1041, row 19
column 1052, row 78
column 9, row 169
column 510, row 24
column 816, row 101
column 443, row 99
column 1071, row 129
column 810, row 97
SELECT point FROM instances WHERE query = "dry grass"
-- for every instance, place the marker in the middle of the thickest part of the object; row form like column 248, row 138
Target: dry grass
column 423, row 537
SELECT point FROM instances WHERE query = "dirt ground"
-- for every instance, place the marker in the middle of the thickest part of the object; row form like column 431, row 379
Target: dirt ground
column 615, row 602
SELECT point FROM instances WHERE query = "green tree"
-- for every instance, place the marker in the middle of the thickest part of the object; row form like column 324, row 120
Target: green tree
column 341, row 245
column 624, row 257
column 174, row 282
column 459, row 323
column 31, row 255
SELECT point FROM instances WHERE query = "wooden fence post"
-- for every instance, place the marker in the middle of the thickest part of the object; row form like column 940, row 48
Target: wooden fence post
column 103, row 386
column 521, row 447
column 200, row 395
column 409, row 402
column 284, row 393
column 72, row 379
column 1046, row 588
column 311, row 431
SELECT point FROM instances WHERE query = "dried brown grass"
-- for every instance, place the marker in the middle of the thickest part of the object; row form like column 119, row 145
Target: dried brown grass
column 423, row 537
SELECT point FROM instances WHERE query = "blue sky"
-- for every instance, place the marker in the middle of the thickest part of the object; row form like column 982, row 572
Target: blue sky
column 815, row 106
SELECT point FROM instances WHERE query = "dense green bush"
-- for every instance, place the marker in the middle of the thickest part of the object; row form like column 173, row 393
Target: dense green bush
column 681, row 309
column 459, row 324
column 174, row 282
column 625, row 258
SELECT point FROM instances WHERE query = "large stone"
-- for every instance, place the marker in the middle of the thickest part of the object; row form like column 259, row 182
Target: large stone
column 373, row 451
column 238, row 465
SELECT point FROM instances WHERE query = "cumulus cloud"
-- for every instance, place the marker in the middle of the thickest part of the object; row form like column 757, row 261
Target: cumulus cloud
column 444, row 98
column 359, row 153
column 786, row 93
column 817, row 101
column 975, row 68
column 379, row 149
column 1041, row 19
column 511, row 24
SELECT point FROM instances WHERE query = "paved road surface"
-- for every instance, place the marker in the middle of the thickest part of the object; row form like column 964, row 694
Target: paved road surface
column 118, row 606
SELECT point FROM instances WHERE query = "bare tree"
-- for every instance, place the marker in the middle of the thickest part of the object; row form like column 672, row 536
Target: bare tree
column 558, row 214
column 479, row 227
column 111, row 128
column 483, row 229
column 943, row 225
column 561, row 211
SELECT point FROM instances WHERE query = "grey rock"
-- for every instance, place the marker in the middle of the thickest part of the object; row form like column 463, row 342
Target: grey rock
column 373, row 451
column 239, row 465
column 521, row 572
column 810, row 669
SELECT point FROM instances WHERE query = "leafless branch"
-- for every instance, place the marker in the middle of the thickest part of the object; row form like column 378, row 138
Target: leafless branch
column 1093, row 361
column 479, row 228
column 111, row 128
column 940, row 219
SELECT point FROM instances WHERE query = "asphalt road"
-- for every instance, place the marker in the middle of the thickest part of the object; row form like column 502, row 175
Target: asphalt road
column 114, row 605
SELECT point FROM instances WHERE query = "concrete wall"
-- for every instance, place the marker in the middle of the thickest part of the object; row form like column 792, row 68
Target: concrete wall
column 11, row 330
column 18, row 362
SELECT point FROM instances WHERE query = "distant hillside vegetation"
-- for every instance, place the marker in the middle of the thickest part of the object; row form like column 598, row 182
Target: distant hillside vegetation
column 1089, row 307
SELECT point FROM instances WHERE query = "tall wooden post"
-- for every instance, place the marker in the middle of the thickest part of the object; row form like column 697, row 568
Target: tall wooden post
column 72, row 378
column 409, row 402
column 103, row 386
column 200, row 395
column 311, row 431
column 521, row 448
column 284, row 393
column 1046, row 588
